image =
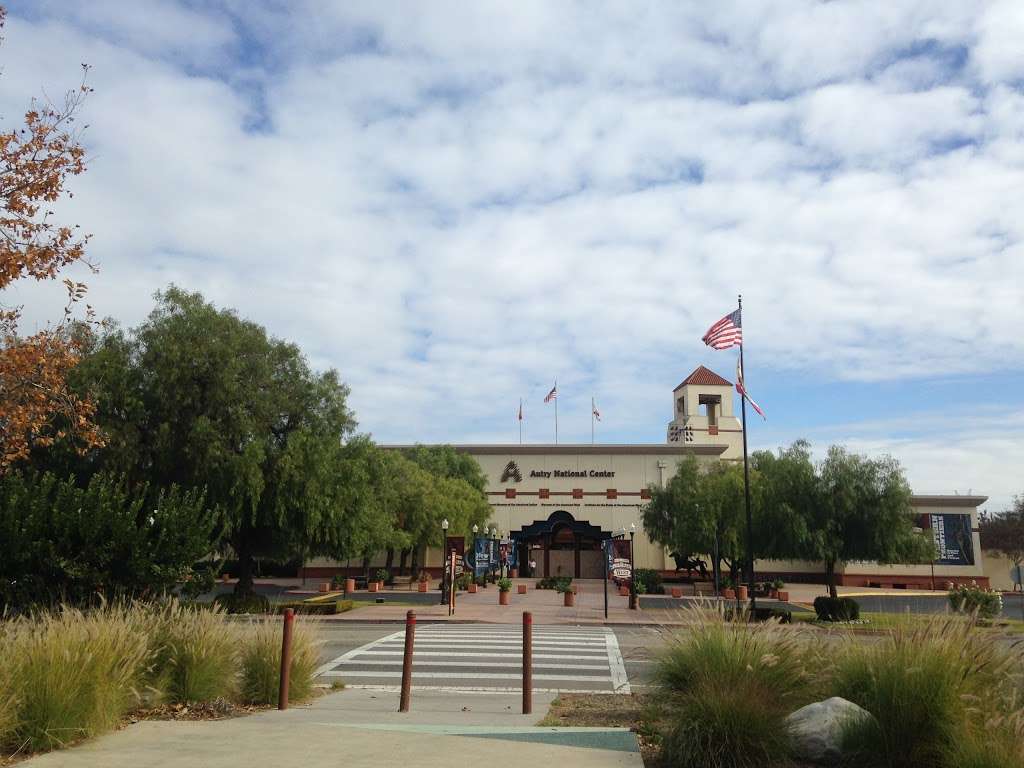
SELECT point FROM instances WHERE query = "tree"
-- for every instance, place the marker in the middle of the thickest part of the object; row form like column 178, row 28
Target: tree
column 861, row 511
column 1004, row 534
column 200, row 398
column 68, row 543
column 699, row 510
column 37, row 407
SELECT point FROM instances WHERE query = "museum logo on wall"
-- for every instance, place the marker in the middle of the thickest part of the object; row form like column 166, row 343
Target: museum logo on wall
column 512, row 473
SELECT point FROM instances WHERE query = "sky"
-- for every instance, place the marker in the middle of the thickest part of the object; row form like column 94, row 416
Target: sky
column 454, row 204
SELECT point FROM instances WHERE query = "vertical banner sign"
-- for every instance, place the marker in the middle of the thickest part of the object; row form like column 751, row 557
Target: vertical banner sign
column 458, row 543
column 492, row 553
column 513, row 554
column 954, row 540
column 481, row 557
column 503, row 555
column 620, row 565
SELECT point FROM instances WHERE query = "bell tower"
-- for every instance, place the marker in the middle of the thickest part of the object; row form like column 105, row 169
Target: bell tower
column 702, row 408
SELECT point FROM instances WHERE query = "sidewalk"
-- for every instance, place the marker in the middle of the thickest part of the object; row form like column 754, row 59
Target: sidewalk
column 360, row 728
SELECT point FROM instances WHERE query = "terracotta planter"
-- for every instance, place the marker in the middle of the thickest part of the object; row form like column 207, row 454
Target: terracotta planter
column 422, row 586
column 502, row 598
column 729, row 594
column 677, row 591
column 513, row 573
column 950, row 586
column 350, row 586
column 570, row 599
column 324, row 586
column 521, row 589
column 380, row 586
column 472, row 589
column 623, row 590
column 373, row 586
column 741, row 593
column 784, row 596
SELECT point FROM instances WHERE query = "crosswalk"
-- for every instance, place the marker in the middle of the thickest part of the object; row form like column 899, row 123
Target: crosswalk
column 488, row 658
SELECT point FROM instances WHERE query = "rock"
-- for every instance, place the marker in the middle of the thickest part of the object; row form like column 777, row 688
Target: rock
column 817, row 729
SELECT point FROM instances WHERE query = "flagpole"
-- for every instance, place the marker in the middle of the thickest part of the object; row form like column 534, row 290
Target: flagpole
column 591, row 419
column 746, row 478
column 556, row 411
column 520, row 421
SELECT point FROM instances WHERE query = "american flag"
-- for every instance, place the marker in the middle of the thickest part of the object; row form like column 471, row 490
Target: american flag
column 593, row 408
column 727, row 332
column 553, row 394
column 520, row 410
column 742, row 389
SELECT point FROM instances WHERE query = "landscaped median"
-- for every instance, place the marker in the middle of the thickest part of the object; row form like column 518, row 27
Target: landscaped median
column 70, row 674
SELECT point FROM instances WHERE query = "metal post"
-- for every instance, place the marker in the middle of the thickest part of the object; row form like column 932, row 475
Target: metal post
column 444, row 568
column 633, row 601
column 286, row 658
column 451, row 591
column 604, row 554
column 717, row 570
column 527, row 663
column 410, row 636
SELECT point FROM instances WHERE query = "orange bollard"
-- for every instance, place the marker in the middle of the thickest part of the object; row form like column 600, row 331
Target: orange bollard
column 527, row 663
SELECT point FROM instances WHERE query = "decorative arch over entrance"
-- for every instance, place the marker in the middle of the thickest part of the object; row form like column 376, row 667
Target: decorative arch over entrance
column 562, row 546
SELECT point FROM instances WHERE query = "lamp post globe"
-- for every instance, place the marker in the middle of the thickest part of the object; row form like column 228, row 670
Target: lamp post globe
column 633, row 601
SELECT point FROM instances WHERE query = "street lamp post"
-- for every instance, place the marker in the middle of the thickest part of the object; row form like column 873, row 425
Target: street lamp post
column 444, row 562
column 632, row 569
column 473, row 550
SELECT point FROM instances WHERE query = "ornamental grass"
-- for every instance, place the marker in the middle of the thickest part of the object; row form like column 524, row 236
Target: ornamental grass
column 261, row 661
column 942, row 693
column 196, row 654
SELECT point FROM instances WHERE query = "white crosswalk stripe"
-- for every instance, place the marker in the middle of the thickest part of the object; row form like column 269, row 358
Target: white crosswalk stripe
column 488, row 658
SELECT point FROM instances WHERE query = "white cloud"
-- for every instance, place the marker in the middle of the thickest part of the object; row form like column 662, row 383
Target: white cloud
column 456, row 202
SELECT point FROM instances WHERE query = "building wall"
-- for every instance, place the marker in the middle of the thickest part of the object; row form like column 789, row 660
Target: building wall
column 1001, row 572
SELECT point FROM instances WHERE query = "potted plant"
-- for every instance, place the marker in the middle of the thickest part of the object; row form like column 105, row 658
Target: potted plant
column 741, row 593
column 568, row 593
column 383, row 575
column 424, row 581
column 728, row 590
column 775, row 586
column 504, row 586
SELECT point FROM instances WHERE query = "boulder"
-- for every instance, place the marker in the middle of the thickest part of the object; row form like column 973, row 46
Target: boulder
column 817, row 729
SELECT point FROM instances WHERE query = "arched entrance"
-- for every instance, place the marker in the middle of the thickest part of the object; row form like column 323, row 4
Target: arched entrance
column 562, row 546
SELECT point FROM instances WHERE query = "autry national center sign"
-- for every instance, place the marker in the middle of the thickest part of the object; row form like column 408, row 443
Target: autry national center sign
column 514, row 474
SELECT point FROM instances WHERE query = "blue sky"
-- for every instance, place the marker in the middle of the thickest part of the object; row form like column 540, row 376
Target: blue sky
column 453, row 204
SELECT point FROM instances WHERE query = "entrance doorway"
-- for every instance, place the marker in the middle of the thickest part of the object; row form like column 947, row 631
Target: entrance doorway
column 562, row 546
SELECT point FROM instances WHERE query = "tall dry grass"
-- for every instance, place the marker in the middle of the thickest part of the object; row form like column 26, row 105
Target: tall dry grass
column 71, row 675
column 196, row 653
column 261, row 661
column 942, row 693
column 727, row 687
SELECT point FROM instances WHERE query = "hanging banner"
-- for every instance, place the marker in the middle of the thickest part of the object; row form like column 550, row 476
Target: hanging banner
column 481, row 557
column 458, row 543
column 619, row 560
column 954, row 541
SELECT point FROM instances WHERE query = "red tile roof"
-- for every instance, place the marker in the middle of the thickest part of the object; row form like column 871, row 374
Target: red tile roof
column 704, row 377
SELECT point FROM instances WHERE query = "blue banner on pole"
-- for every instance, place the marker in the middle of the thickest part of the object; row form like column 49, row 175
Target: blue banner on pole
column 481, row 557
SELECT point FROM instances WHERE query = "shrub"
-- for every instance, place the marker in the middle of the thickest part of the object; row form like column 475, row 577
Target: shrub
column 197, row 654
column 72, row 675
column 316, row 607
column 261, row 662
column 383, row 574
column 463, row 580
column 924, row 685
column 648, row 581
column 504, row 585
column 836, row 608
column 728, row 686
column 971, row 599
column 232, row 603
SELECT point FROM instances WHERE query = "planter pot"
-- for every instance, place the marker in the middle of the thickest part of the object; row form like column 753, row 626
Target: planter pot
column 950, row 586
column 623, row 591
column 741, row 593
column 380, row 586
column 350, row 586
column 513, row 573
column 729, row 594
column 677, row 591
column 503, row 598
column 570, row 599
column 373, row 586
column 472, row 589
column 784, row 595
column 324, row 586
column 422, row 586
column 521, row 589
column 225, row 577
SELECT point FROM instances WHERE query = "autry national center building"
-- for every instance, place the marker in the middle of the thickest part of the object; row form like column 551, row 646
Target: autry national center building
column 556, row 503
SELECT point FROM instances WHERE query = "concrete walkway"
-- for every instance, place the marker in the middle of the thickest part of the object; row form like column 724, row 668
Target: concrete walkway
column 360, row 728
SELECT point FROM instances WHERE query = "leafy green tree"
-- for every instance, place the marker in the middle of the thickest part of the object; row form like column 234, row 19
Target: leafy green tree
column 65, row 542
column 1004, row 534
column 200, row 398
column 697, row 507
column 861, row 511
